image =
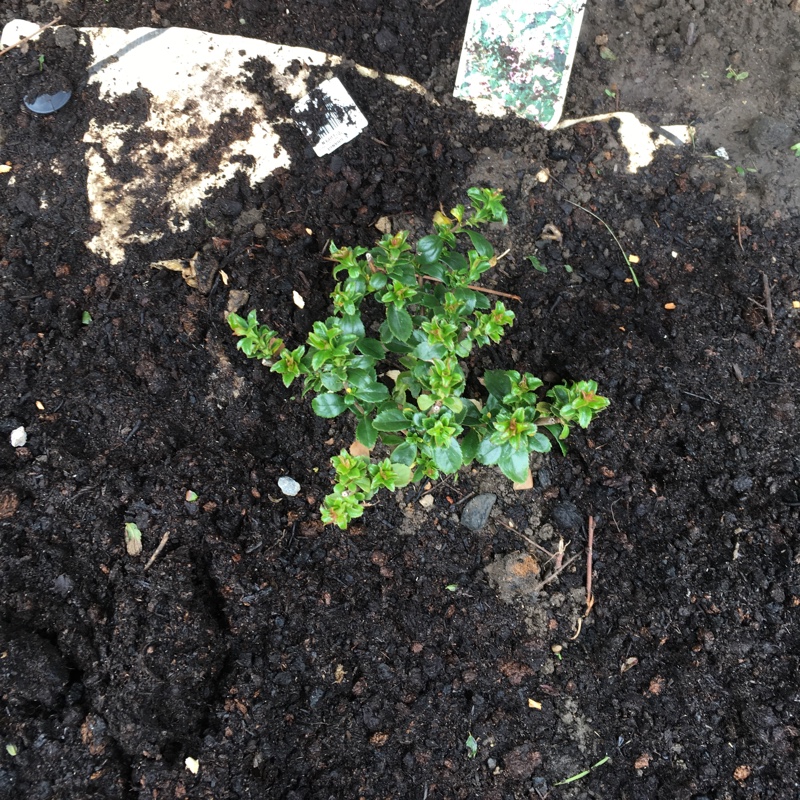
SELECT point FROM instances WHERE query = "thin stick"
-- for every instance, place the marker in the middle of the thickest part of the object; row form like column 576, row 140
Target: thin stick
column 161, row 545
column 589, row 551
column 613, row 236
column 768, row 302
column 739, row 231
column 32, row 36
column 477, row 288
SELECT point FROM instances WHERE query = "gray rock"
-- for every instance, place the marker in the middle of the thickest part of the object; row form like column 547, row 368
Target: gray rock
column 476, row 512
column 65, row 37
column 769, row 133
column 742, row 483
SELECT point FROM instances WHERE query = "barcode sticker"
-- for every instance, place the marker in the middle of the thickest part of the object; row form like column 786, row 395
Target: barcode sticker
column 329, row 117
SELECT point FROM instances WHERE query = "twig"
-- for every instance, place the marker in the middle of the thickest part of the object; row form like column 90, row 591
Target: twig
column 613, row 236
column 161, row 545
column 554, row 574
column 739, row 231
column 32, row 36
column 589, row 552
column 477, row 288
column 768, row 302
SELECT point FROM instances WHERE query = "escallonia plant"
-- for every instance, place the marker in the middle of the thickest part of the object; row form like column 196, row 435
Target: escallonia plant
column 434, row 318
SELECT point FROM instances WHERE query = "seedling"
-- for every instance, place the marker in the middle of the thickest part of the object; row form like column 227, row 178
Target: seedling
column 434, row 318
column 795, row 148
column 585, row 772
column 133, row 539
column 86, row 318
column 736, row 74
column 537, row 264
column 610, row 93
column 472, row 746
column 41, row 62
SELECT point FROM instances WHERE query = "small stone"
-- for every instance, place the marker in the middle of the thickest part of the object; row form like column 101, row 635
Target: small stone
column 65, row 37
column 289, row 486
column 742, row 483
column 426, row 501
column 19, row 437
column 476, row 512
column 385, row 40
column 567, row 516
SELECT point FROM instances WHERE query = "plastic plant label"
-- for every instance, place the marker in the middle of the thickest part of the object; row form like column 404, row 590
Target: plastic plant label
column 329, row 117
column 517, row 55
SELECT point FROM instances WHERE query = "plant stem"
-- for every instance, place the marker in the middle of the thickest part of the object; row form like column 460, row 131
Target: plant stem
column 613, row 236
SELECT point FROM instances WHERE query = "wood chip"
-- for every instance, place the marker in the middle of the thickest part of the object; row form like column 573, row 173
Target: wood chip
column 643, row 762
column 670, row 306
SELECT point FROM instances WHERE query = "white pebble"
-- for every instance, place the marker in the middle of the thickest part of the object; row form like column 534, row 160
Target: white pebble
column 289, row 486
column 19, row 437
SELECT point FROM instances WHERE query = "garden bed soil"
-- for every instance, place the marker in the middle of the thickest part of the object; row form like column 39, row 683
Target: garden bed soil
column 291, row 660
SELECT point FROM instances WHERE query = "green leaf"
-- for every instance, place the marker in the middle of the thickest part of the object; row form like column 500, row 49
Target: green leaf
column 555, row 431
column 539, row 443
column 374, row 393
column 537, row 264
column 361, row 378
column 424, row 401
column 331, row 382
column 456, row 262
column 434, row 270
column 371, row 347
column 391, row 419
column 400, row 322
column 469, row 445
column 514, row 464
column 377, row 281
column 497, row 383
column 482, row 245
column 351, row 323
column 488, row 452
column 402, row 474
column 448, row 459
column 428, row 352
column 328, row 405
column 429, row 248
column 404, row 453
column 366, row 433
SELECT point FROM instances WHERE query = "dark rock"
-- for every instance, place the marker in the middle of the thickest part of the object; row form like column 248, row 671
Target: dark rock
column 476, row 512
column 385, row 40
column 567, row 516
column 231, row 208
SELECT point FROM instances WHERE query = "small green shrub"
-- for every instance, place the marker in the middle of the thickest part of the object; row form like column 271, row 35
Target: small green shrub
column 434, row 318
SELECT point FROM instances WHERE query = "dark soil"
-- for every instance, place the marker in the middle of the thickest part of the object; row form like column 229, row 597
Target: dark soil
column 297, row 661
